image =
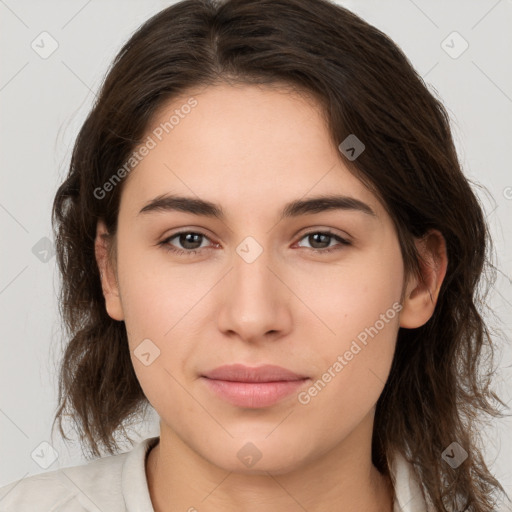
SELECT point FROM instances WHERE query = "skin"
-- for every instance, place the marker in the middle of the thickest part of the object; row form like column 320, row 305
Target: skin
column 252, row 149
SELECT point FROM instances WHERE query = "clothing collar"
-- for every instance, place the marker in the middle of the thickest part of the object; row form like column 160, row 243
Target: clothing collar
column 409, row 495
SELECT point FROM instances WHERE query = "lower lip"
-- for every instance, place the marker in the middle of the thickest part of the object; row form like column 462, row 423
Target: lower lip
column 253, row 394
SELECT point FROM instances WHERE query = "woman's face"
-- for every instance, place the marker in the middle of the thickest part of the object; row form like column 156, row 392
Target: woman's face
column 261, row 287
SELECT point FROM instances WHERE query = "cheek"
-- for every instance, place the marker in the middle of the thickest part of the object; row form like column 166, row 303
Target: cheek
column 359, row 305
column 164, row 316
column 347, row 297
column 156, row 294
column 352, row 374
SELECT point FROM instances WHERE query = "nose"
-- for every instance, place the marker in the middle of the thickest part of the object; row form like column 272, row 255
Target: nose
column 255, row 301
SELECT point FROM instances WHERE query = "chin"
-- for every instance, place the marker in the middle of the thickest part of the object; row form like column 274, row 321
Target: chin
column 259, row 456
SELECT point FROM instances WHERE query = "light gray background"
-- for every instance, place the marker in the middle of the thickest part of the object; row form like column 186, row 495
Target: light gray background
column 43, row 102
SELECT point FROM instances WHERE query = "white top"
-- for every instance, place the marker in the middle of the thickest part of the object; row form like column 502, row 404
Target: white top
column 118, row 483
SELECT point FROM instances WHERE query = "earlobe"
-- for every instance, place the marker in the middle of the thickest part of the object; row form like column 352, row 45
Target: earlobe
column 422, row 291
column 108, row 278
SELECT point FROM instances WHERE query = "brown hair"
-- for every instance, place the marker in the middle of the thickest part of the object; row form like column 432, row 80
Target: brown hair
column 437, row 390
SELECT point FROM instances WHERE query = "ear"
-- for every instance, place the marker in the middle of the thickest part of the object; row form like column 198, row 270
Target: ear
column 421, row 293
column 107, row 270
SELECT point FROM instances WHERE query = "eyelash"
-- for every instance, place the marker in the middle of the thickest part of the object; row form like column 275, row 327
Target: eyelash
column 192, row 252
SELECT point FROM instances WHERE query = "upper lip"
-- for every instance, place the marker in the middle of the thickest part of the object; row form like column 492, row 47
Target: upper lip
column 242, row 373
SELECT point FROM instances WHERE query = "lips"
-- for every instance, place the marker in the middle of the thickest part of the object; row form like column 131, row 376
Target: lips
column 252, row 388
column 242, row 373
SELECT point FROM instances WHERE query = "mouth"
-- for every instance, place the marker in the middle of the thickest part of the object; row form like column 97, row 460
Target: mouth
column 248, row 387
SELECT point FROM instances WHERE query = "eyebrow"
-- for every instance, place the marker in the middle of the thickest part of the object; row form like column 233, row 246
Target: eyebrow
column 311, row 205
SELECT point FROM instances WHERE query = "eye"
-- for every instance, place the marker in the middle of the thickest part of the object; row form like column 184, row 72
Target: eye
column 324, row 237
column 190, row 240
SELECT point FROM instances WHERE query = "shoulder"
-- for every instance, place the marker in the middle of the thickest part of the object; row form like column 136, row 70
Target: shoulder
column 94, row 486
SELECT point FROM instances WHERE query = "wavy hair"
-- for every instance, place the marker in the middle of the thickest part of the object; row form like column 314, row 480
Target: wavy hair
column 438, row 389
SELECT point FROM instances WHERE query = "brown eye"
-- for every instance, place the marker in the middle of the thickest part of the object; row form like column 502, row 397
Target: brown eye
column 190, row 242
column 320, row 241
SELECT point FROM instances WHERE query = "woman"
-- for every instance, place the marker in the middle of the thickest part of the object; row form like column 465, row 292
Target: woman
column 266, row 234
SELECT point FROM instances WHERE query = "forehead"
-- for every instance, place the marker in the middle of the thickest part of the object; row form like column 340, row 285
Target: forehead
column 242, row 146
